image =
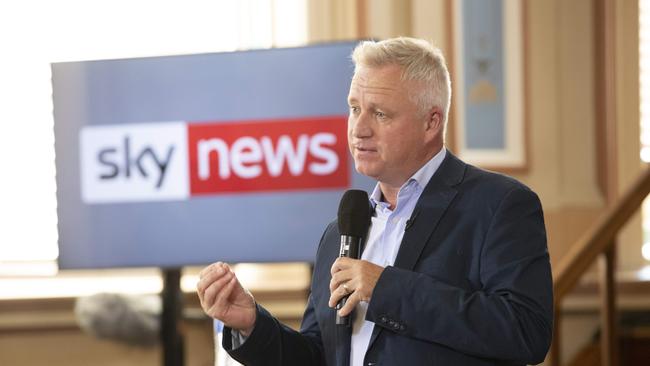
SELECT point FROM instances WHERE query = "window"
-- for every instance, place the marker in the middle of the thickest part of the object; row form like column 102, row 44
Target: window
column 34, row 35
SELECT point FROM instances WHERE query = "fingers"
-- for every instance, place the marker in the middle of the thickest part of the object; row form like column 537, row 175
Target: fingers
column 221, row 301
column 350, row 304
column 341, row 271
column 210, row 274
column 210, row 295
column 355, row 296
column 339, row 278
column 209, row 268
column 213, row 279
column 341, row 283
column 342, row 263
column 339, row 293
column 356, row 278
column 207, row 276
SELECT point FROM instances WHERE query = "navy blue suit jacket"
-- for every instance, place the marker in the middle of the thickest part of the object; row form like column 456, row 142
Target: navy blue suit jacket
column 471, row 285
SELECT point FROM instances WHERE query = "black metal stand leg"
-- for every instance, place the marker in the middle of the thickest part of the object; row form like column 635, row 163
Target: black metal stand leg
column 172, row 340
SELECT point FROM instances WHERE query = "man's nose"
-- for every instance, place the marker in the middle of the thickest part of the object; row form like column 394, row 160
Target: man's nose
column 362, row 126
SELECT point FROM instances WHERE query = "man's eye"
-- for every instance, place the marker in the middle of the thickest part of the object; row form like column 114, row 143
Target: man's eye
column 354, row 109
column 380, row 114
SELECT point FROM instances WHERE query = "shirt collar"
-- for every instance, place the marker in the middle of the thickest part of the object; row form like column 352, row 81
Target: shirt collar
column 421, row 177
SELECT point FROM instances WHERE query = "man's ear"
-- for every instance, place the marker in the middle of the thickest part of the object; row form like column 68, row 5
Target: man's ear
column 434, row 121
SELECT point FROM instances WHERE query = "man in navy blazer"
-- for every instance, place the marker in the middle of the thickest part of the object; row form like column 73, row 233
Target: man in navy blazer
column 455, row 269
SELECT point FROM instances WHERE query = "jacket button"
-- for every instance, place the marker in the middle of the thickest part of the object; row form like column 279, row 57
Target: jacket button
column 383, row 319
column 395, row 325
column 402, row 327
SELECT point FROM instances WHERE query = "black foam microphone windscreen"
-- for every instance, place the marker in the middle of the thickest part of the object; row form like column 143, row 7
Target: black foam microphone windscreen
column 354, row 213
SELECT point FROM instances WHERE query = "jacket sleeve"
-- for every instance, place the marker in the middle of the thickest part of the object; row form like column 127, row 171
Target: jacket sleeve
column 509, row 318
column 273, row 343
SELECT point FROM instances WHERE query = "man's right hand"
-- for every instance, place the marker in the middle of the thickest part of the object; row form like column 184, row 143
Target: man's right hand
column 223, row 298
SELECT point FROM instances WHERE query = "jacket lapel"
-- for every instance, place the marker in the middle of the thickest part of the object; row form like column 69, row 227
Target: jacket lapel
column 431, row 206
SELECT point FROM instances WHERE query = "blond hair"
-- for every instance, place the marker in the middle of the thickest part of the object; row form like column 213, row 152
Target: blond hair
column 420, row 62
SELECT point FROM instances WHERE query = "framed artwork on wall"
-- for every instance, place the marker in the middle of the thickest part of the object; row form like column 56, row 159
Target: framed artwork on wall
column 488, row 69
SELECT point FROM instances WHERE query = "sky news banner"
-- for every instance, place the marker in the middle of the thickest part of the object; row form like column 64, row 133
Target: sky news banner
column 181, row 160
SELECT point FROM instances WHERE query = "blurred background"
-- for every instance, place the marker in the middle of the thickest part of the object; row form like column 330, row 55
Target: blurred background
column 582, row 131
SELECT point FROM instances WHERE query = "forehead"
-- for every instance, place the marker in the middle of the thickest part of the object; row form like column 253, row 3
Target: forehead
column 377, row 80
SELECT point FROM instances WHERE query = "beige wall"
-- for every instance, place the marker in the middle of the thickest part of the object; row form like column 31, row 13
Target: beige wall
column 561, row 122
column 429, row 22
column 331, row 20
column 628, row 116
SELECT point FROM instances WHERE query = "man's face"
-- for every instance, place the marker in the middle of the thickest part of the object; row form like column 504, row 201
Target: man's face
column 389, row 138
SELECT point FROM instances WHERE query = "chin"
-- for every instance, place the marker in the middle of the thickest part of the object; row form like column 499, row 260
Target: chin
column 367, row 171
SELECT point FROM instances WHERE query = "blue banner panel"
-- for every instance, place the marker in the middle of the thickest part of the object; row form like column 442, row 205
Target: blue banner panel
column 185, row 160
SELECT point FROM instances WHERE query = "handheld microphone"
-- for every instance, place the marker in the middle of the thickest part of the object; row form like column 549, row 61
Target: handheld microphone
column 353, row 220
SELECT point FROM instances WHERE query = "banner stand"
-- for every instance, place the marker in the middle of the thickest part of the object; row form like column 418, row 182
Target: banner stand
column 172, row 305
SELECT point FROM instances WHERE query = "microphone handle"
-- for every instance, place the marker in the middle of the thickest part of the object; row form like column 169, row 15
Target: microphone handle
column 351, row 248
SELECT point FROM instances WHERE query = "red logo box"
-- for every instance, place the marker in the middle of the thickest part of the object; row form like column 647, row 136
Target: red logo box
column 272, row 155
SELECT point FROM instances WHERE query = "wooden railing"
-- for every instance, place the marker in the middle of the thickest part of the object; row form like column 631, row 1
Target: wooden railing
column 598, row 243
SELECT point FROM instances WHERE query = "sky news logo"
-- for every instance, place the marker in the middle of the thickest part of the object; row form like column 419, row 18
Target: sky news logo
column 176, row 160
